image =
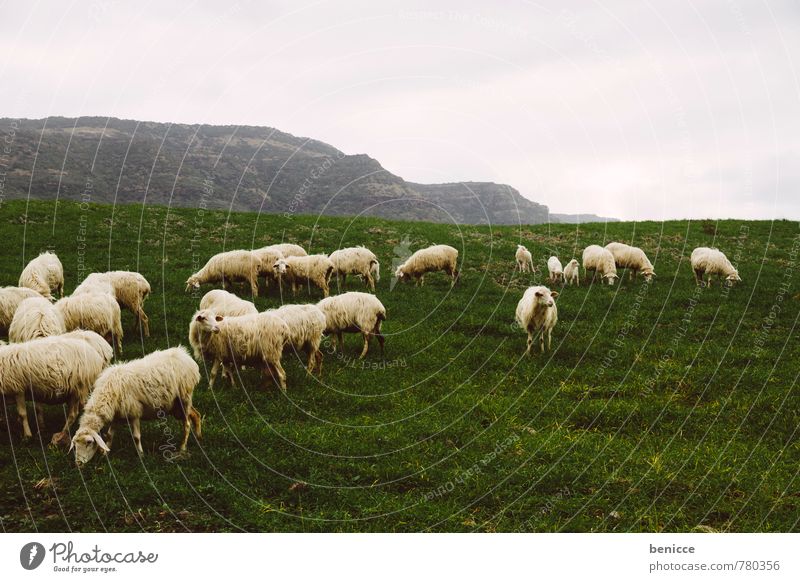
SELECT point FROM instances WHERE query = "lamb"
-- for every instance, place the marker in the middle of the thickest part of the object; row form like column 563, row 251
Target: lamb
column 256, row 340
column 712, row 261
column 226, row 267
column 357, row 261
column 58, row 370
column 227, row 304
column 572, row 272
column 44, row 274
column 151, row 387
column 97, row 312
column 524, row 260
column 555, row 269
column 537, row 314
column 311, row 269
column 632, row 258
column 35, row 317
column 354, row 312
column 129, row 288
column 306, row 324
column 10, row 298
column 427, row 260
column 599, row 261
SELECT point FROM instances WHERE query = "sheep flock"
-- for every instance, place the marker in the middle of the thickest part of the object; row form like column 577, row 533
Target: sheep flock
column 61, row 349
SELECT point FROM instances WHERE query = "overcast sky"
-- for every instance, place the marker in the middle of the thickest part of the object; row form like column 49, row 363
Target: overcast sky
column 638, row 110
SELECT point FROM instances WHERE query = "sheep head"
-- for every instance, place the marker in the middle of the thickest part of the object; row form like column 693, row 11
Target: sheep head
column 545, row 298
column 86, row 442
column 208, row 321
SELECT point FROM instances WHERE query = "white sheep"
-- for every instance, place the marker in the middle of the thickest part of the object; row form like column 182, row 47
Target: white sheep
column 712, row 261
column 129, row 288
column 356, row 261
column 151, row 387
column 289, row 249
column 632, row 258
column 228, row 267
column 537, row 314
column 54, row 370
column 35, row 317
column 354, row 312
column 44, row 274
column 555, row 270
column 572, row 272
column 524, row 260
column 251, row 340
column 97, row 312
column 599, row 261
column 227, row 304
column 427, row 260
column 308, row 270
column 306, row 324
column 10, row 298
column 268, row 257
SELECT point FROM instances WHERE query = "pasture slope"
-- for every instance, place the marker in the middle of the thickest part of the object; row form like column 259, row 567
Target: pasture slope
column 661, row 408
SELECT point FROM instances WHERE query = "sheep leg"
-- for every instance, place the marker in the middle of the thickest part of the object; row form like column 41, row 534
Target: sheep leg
column 197, row 422
column 366, row 345
column 109, row 435
column 137, row 435
column 38, row 409
column 549, row 339
column 22, row 411
column 344, row 280
column 254, row 286
column 277, row 373
column 144, row 321
column 213, row 374
column 371, row 282
column 325, row 291
column 318, row 357
column 530, row 343
column 340, row 337
column 381, row 340
column 187, row 427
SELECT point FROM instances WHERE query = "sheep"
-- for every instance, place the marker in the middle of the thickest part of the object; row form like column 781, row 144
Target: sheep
column 226, row 267
column 631, row 258
column 599, row 260
column 98, row 312
column 555, row 269
column 227, row 304
column 151, row 387
column 35, row 317
column 712, row 261
column 44, row 274
column 310, row 269
column 354, row 312
column 433, row 258
column 59, row 369
column 572, row 272
column 524, row 260
column 256, row 340
column 357, row 261
column 10, row 298
column 537, row 314
column 306, row 324
column 129, row 288
column 268, row 256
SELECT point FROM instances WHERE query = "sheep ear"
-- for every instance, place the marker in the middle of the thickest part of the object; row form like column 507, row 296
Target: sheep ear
column 219, row 318
column 71, row 445
column 538, row 293
column 200, row 318
column 554, row 294
column 99, row 440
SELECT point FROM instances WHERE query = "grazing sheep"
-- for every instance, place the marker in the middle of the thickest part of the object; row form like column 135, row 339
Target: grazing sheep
column 524, row 260
column 10, row 298
column 35, row 317
column 97, row 312
column 251, row 340
column 434, row 258
column 306, row 325
column 129, row 288
column 149, row 388
column 268, row 257
column 227, row 304
column 357, row 261
column 537, row 314
column 712, row 261
column 555, row 269
column 354, row 312
column 307, row 270
column 59, row 369
column 289, row 249
column 631, row 258
column 227, row 267
column 572, row 272
column 44, row 274
column 599, row 261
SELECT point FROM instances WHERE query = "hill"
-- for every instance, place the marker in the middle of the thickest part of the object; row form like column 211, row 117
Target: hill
column 662, row 407
column 240, row 168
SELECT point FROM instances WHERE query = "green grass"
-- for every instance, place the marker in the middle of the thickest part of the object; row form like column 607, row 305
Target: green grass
column 656, row 410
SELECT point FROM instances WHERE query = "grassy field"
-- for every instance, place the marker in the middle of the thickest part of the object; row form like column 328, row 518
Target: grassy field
column 662, row 407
